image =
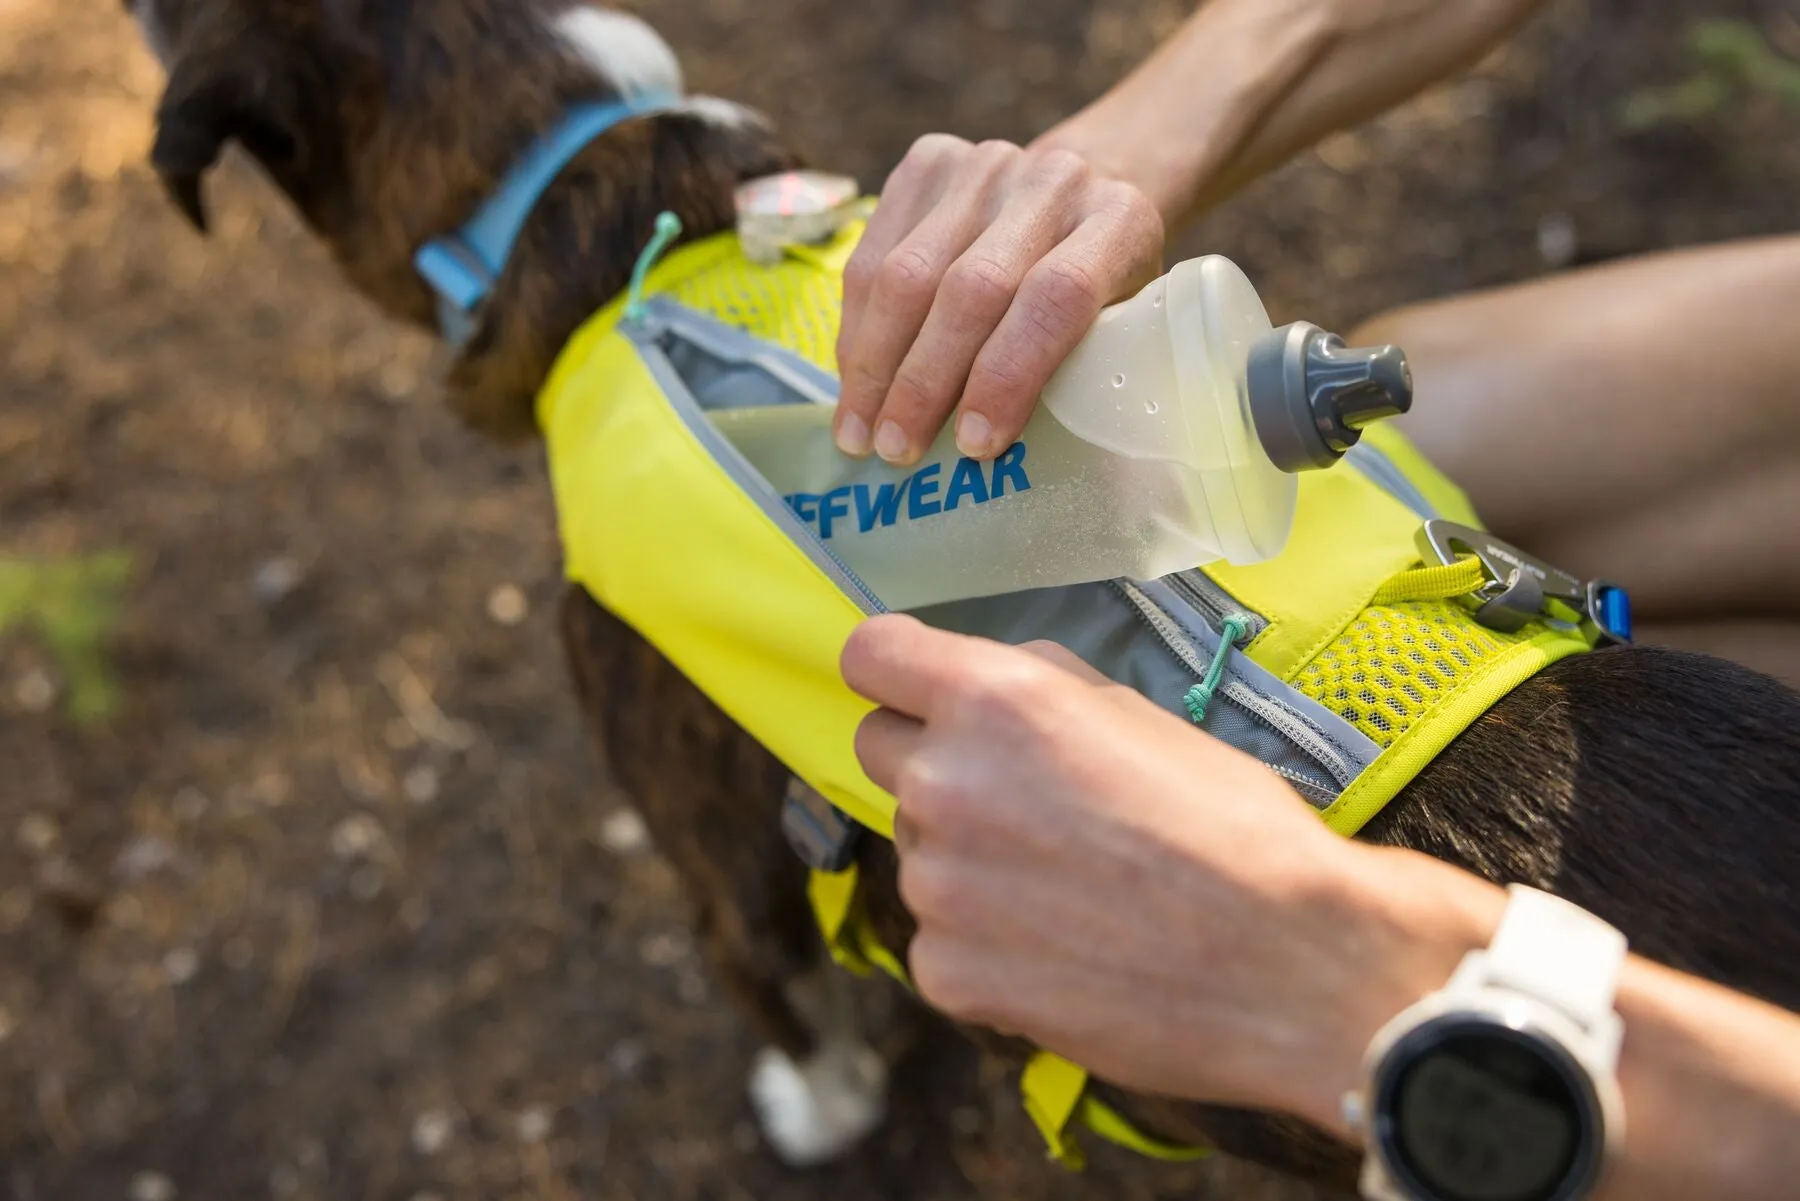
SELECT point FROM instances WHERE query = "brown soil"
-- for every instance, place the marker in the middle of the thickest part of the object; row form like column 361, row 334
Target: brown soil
column 338, row 904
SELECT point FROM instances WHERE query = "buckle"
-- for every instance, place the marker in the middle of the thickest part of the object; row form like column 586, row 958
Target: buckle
column 461, row 281
column 823, row 835
column 1519, row 588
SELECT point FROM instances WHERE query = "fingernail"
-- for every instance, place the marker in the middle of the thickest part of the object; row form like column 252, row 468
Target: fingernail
column 890, row 442
column 853, row 435
column 973, row 435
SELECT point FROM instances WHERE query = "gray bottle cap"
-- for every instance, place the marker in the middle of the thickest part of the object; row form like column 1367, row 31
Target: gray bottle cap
column 1311, row 396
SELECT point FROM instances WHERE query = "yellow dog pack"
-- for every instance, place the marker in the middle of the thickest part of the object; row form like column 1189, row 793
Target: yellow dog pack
column 1387, row 625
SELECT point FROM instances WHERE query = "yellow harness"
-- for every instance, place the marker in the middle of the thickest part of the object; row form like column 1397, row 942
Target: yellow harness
column 1359, row 647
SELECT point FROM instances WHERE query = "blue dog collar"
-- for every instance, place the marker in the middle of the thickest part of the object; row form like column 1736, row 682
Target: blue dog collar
column 463, row 267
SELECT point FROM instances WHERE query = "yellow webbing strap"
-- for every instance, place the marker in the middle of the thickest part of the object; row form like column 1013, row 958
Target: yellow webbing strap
column 851, row 943
column 1448, row 582
column 1055, row 1093
column 1432, row 583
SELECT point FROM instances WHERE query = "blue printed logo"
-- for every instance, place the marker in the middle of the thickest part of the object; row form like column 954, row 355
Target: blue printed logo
column 915, row 496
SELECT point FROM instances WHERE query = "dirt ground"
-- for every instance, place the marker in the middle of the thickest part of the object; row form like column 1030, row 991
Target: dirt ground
column 339, row 904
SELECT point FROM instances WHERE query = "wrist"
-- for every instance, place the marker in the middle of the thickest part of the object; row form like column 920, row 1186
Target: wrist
column 1407, row 921
column 1164, row 170
column 1179, row 125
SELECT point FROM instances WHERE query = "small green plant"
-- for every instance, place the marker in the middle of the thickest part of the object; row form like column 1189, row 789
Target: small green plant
column 1733, row 58
column 72, row 606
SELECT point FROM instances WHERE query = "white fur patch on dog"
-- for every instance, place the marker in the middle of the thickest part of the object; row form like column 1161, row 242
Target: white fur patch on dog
column 727, row 114
column 624, row 50
column 814, row 1112
column 632, row 57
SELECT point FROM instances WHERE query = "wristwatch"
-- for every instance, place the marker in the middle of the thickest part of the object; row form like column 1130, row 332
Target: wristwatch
column 1501, row 1086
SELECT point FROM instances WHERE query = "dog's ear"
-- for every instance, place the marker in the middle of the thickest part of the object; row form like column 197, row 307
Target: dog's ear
column 218, row 96
column 263, row 93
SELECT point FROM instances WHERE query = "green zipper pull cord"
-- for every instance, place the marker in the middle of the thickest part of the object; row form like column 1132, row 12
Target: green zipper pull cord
column 668, row 228
column 1200, row 695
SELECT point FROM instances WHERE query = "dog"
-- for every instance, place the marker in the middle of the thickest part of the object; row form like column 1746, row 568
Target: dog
column 1655, row 788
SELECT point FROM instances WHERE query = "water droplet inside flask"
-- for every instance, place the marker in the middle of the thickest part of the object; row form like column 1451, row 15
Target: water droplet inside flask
column 1118, row 381
column 1150, row 406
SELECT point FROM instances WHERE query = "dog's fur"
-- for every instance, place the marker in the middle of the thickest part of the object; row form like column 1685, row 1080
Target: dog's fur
column 1656, row 788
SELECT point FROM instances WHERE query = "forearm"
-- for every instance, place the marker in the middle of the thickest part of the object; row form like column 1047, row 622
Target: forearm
column 1710, row 1078
column 1711, row 1081
column 1246, row 84
column 1253, row 954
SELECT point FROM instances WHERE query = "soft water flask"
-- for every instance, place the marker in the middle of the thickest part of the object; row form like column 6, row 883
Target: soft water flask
column 1168, row 439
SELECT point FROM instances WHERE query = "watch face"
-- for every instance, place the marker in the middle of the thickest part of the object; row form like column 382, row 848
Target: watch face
column 1469, row 1110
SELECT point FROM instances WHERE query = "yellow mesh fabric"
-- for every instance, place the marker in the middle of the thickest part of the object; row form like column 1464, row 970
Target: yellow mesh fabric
column 793, row 303
column 1394, row 661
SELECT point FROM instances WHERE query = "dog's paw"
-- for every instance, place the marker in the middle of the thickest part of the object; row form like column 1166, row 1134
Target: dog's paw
column 813, row 1112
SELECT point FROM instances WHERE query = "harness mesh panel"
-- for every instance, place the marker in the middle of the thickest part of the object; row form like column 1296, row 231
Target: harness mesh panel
column 1394, row 662
column 794, row 305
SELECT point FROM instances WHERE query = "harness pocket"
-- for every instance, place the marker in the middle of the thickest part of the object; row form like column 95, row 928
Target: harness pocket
column 703, row 366
column 1157, row 637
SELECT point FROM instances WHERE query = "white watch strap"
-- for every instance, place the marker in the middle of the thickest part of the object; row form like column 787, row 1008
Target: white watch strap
column 1558, row 952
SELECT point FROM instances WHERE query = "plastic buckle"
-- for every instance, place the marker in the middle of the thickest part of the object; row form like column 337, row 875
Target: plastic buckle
column 823, row 835
column 461, row 281
column 1608, row 612
column 1519, row 588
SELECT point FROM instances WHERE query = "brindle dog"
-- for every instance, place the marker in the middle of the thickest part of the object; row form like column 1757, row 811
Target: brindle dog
column 1656, row 788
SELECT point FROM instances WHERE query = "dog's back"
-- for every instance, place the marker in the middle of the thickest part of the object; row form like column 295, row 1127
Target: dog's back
column 1655, row 787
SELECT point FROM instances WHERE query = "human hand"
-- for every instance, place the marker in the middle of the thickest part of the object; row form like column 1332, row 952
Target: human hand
column 981, row 269
column 1093, row 874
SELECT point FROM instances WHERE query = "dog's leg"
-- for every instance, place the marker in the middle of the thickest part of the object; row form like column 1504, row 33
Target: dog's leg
column 711, row 798
column 816, row 1106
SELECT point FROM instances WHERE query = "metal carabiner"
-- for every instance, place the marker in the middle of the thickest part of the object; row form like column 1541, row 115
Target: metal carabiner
column 1519, row 587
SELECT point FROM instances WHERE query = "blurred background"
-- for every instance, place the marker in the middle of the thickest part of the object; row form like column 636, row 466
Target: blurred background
column 310, row 885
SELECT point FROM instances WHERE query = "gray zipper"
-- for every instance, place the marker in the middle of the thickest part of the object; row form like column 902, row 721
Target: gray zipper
column 1214, row 603
column 644, row 332
column 1164, row 627
column 1271, row 714
column 1293, row 729
column 1310, row 789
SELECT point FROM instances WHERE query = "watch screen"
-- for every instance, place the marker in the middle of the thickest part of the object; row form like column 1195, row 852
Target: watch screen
column 1484, row 1115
